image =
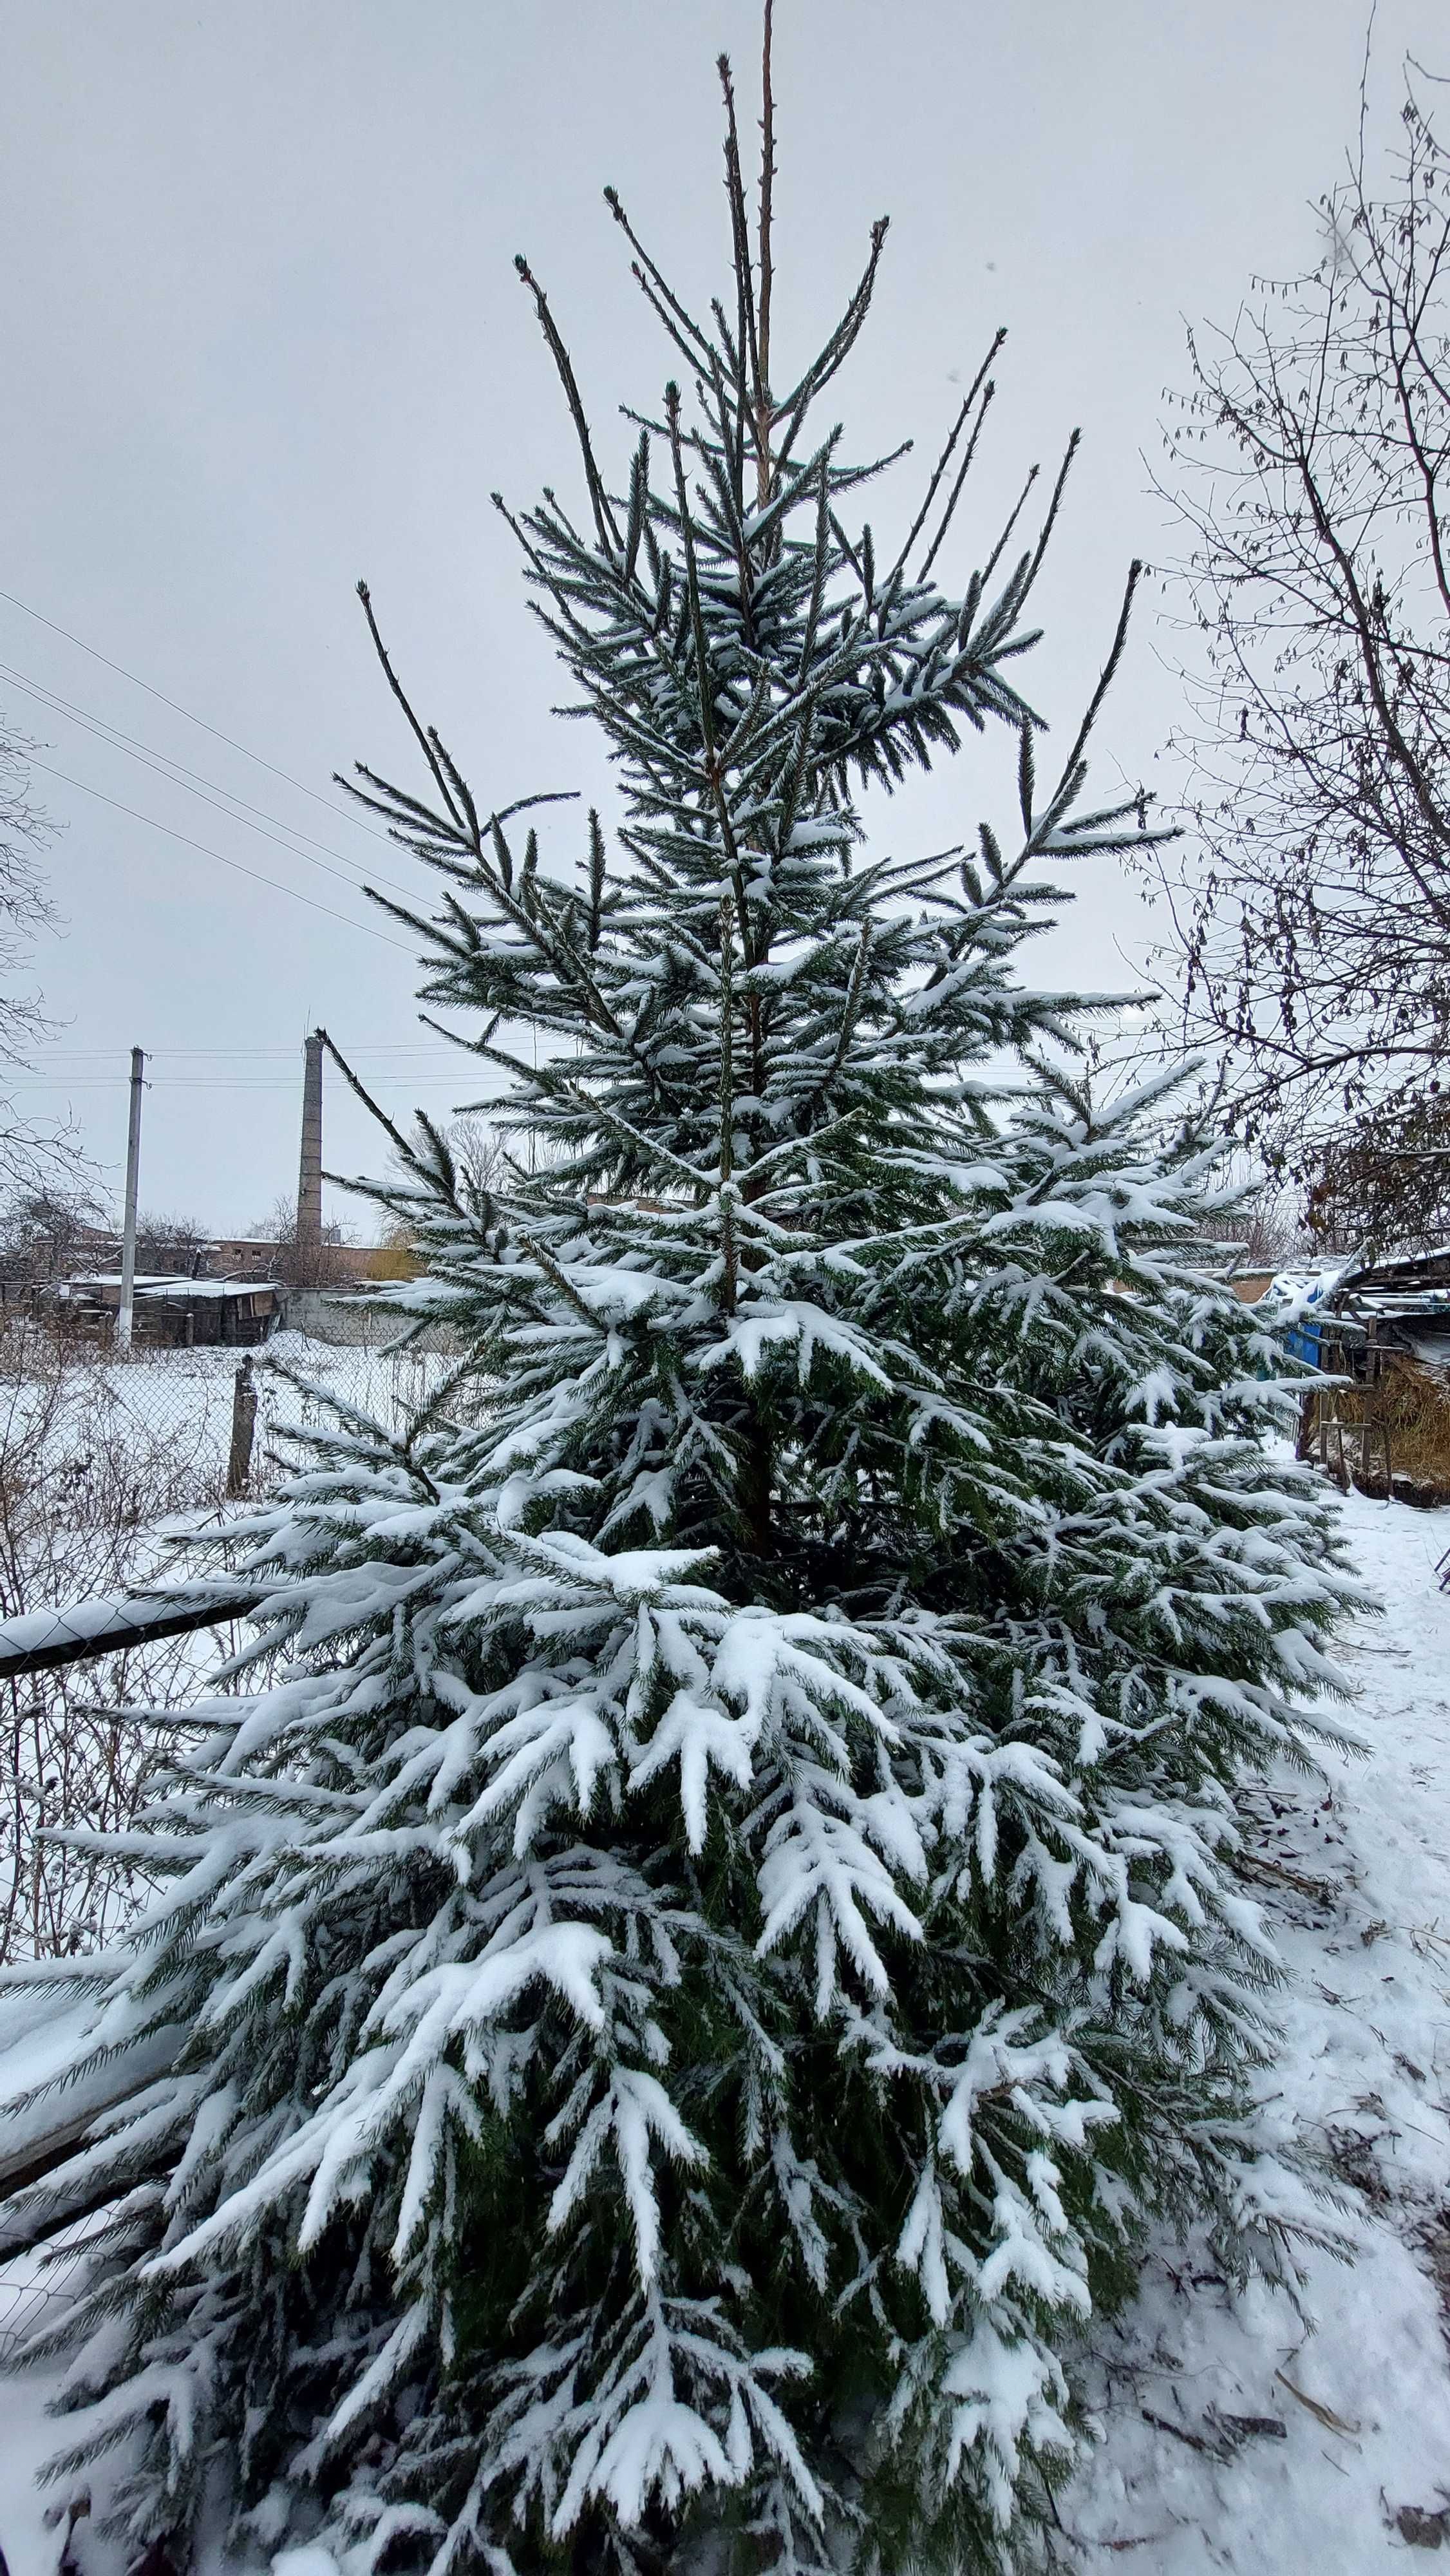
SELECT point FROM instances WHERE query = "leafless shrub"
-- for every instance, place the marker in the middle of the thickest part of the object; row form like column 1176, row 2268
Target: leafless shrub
column 171, row 1242
column 85, row 1478
column 1270, row 1226
column 303, row 1266
column 1384, row 1179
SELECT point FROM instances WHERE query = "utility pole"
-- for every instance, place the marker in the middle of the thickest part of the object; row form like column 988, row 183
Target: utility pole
column 126, row 1314
column 309, row 1171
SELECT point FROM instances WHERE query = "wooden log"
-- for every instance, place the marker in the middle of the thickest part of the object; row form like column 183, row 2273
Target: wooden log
column 244, row 1423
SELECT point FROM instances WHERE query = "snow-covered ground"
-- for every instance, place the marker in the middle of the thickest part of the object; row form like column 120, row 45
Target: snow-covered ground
column 1236, row 2433
column 178, row 1403
column 193, row 1389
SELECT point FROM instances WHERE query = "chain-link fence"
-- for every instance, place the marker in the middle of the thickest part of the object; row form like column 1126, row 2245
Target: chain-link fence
column 187, row 1398
column 104, row 1462
column 31, row 2283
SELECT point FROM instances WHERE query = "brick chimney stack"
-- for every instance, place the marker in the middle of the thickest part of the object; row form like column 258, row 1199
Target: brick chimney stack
column 309, row 1172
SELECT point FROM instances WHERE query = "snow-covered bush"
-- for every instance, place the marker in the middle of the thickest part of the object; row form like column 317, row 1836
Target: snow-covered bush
column 683, row 1997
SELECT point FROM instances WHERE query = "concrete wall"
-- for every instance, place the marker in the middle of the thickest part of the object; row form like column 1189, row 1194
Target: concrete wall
column 355, row 1322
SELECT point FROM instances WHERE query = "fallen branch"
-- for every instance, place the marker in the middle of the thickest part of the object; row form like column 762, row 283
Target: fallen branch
column 1324, row 2415
column 1255, row 1865
column 1181, row 2433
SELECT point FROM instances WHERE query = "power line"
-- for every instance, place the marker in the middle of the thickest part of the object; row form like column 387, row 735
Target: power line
column 195, row 784
column 398, row 1046
column 89, row 1055
column 207, row 853
column 215, row 1082
column 178, row 709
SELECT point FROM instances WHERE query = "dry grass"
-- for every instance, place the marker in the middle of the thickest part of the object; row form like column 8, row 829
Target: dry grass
column 1414, row 1403
column 1411, row 1404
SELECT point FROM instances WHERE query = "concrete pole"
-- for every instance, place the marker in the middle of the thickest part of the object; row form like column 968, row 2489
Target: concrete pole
column 309, row 1171
column 126, row 1314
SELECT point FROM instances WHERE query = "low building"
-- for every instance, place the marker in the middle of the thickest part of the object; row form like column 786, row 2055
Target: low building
column 172, row 1312
column 1250, row 1285
column 1380, row 1329
column 241, row 1256
column 1366, row 1313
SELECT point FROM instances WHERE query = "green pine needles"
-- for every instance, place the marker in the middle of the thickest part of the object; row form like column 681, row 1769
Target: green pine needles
column 676, row 1989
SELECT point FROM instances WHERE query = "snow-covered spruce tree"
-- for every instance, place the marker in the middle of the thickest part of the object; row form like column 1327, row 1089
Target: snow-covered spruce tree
column 685, row 1994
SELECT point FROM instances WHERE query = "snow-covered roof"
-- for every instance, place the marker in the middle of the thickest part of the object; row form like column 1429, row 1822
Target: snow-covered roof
column 112, row 1279
column 1412, row 1260
column 208, row 1287
column 1293, row 1292
column 169, row 1283
column 1389, row 1289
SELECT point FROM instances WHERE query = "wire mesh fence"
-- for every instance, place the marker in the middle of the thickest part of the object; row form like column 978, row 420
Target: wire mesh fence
column 33, row 2282
column 186, row 1398
column 106, row 1463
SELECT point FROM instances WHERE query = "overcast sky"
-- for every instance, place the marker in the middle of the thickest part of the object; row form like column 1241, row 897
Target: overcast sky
column 262, row 335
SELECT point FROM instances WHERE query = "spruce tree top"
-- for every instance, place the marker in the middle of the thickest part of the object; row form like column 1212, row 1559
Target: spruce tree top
column 764, row 1068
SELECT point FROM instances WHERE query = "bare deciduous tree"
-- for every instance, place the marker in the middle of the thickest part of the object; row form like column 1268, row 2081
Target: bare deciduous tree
column 170, row 1242
column 32, row 1153
column 24, row 903
column 478, row 1150
column 48, row 1230
column 1385, row 1179
column 60, row 1230
column 1270, row 1226
column 1310, row 460
column 279, row 1227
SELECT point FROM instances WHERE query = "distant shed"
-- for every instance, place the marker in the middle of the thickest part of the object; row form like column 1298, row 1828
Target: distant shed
column 1379, row 1331
column 1395, row 1307
column 175, row 1313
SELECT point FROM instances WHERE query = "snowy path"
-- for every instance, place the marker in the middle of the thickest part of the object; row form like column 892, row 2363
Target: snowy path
column 1340, row 2460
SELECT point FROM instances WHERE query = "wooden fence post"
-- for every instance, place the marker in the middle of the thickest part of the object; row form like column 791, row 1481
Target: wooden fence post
column 244, row 1423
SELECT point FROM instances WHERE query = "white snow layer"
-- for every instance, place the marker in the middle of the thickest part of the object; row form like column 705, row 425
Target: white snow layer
column 1321, row 2442
column 1234, row 2433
